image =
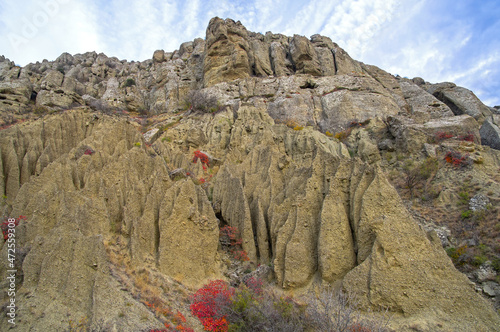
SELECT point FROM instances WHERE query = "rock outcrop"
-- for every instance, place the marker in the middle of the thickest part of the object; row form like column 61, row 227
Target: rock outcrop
column 460, row 100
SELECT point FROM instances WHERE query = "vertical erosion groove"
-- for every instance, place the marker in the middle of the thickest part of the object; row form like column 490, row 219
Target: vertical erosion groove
column 157, row 236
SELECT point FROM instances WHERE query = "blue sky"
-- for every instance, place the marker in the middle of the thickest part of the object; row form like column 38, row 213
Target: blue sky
column 457, row 41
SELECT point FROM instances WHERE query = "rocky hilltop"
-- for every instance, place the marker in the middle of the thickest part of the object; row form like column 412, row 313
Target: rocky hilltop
column 333, row 171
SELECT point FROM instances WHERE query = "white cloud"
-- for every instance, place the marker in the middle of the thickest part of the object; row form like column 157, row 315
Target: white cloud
column 38, row 29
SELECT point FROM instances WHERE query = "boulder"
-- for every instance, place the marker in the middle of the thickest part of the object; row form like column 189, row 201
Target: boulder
column 159, row 56
column 15, row 94
column 460, row 100
column 52, row 80
column 490, row 133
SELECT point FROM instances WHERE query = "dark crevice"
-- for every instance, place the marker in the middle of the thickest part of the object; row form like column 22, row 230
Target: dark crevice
column 222, row 221
column 454, row 108
column 157, row 235
column 269, row 242
column 334, row 61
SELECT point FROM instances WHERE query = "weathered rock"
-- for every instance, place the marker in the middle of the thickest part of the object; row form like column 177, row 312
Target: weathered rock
column 15, row 95
column 117, row 189
column 226, row 52
column 302, row 204
column 151, row 135
column 52, row 80
column 259, row 58
column 345, row 105
column 460, row 100
column 390, row 83
column 485, row 272
column 418, row 81
column 344, row 63
column 424, row 106
column 368, row 151
column 6, row 68
column 412, row 137
column 478, row 202
column 159, row 56
column 282, row 65
column 391, row 257
column 490, row 134
column 59, row 99
column 491, row 288
column 336, row 256
column 189, row 234
column 304, row 56
column 324, row 46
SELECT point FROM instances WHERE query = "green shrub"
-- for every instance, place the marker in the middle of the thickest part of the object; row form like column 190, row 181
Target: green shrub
column 466, row 214
column 414, row 174
column 129, row 82
column 479, row 260
column 495, row 263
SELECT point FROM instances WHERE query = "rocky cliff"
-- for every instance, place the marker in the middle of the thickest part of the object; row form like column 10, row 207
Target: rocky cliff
column 306, row 155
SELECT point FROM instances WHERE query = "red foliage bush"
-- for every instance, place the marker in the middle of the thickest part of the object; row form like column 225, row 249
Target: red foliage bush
column 208, row 302
column 457, row 159
column 231, row 240
column 255, row 285
column 358, row 328
column 468, row 138
column 441, row 136
column 203, row 158
column 178, row 319
column 241, row 255
column 89, row 152
column 229, row 236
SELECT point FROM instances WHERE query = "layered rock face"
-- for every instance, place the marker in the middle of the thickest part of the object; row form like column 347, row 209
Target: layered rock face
column 318, row 210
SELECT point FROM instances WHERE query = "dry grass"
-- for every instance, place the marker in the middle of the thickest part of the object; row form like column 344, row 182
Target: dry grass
column 162, row 295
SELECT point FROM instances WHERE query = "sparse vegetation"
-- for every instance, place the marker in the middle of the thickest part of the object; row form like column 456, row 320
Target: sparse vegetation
column 199, row 100
column 129, row 82
column 458, row 159
column 230, row 240
column 251, row 307
column 417, row 174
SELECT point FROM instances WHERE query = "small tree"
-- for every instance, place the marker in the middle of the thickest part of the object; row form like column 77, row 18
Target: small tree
column 417, row 173
column 200, row 100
